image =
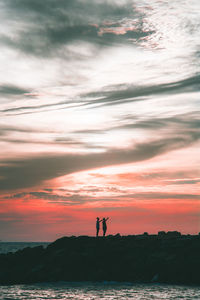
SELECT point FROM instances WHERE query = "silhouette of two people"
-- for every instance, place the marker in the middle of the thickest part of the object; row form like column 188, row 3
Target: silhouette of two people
column 104, row 226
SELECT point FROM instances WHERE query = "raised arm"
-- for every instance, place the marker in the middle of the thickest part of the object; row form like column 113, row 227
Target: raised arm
column 107, row 218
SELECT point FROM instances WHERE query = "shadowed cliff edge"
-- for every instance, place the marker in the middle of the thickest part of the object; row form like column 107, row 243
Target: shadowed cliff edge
column 166, row 258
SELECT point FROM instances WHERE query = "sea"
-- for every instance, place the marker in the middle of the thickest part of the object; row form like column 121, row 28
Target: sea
column 6, row 247
column 98, row 290
column 90, row 290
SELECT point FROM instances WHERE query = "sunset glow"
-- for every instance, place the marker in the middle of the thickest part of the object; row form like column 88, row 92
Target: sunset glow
column 99, row 117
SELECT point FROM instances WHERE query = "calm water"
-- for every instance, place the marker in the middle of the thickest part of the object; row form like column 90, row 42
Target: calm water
column 6, row 247
column 104, row 290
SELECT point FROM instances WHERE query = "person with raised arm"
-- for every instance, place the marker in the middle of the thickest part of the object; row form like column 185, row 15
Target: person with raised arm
column 104, row 226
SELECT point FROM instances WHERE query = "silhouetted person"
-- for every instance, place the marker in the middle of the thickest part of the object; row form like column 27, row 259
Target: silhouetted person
column 104, row 226
column 97, row 226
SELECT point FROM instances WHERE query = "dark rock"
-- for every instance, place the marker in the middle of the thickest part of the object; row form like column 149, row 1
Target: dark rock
column 161, row 233
column 166, row 258
column 173, row 234
column 155, row 278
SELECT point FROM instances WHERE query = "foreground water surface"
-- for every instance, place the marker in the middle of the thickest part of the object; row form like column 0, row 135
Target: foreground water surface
column 104, row 290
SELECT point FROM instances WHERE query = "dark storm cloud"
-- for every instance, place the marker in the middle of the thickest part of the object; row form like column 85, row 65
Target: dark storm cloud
column 45, row 26
column 24, row 173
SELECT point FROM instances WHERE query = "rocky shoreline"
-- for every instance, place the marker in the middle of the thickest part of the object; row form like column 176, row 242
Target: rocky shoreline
column 164, row 258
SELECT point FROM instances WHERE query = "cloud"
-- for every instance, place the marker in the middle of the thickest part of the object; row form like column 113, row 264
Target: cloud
column 68, row 200
column 74, row 198
column 113, row 95
column 30, row 108
column 11, row 90
column 36, row 141
column 5, row 128
column 24, row 173
column 160, row 196
column 44, row 27
column 166, row 176
column 181, row 122
column 185, row 121
column 184, row 181
column 126, row 200
column 119, row 94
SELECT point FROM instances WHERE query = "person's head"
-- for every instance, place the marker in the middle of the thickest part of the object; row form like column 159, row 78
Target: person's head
column 104, row 219
column 97, row 218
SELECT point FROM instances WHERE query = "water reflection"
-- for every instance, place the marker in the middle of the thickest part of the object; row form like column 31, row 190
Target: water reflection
column 103, row 291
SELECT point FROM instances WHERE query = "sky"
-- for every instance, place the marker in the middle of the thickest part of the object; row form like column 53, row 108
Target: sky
column 99, row 117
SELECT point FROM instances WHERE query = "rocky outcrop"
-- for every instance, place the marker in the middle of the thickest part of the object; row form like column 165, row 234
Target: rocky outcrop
column 165, row 258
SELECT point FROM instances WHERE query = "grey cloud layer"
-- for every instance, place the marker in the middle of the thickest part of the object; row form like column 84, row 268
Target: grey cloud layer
column 114, row 95
column 78, row 199
column 120, row 94
column 44, row 26
column 186, row 181
column 182, row 123
column 16, row 174
column 185, row 127
column 11, row 90
column 68, row 200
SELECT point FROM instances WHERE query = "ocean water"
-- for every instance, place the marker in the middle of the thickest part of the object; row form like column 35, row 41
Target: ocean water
column 6, row 247
column 104, row 291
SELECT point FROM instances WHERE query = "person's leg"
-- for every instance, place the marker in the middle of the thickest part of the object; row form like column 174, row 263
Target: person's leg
column 97, row 232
